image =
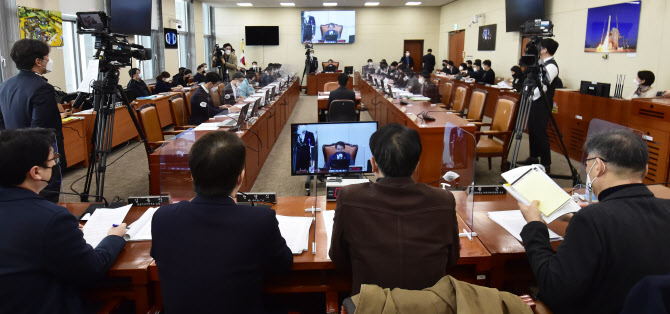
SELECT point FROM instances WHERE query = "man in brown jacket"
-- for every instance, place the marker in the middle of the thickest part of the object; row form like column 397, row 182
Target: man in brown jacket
column 395, row 233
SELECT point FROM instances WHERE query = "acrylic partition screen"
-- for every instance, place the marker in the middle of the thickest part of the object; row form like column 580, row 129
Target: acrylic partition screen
column 175, row 174
column 458, row 169
column 597, row 126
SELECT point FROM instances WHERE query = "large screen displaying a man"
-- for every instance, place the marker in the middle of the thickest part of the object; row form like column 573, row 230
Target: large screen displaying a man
column 340, row 160
column 328, row 27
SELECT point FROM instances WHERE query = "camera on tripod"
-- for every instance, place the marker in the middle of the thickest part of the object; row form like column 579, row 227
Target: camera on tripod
column 535, row 30
column 112, row 47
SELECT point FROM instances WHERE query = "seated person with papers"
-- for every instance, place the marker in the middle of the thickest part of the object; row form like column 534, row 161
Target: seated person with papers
column 609, row 246
column 395, row 233
column 428, row 88
column 45, row 258
column 231, row 94
column 342, row 92
column 223, row 247
column 202, row 107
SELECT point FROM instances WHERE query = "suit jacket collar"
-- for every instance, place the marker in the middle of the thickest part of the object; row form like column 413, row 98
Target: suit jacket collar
column 396, row 181
column 220, row 200
column 625, row 191
column 12, row 193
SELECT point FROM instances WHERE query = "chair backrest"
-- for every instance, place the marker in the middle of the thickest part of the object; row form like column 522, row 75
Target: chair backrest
column 178, row 111
column 338, row 28
column 445, row 91
column 187, row 101
column 477, row 102
column 330, row 149
column 216, row 96
column 503, row 119
column 331, row 86
column 342, row 110
column 459, row 98
column 151, row 88
column 148, row 118
column 325, row 64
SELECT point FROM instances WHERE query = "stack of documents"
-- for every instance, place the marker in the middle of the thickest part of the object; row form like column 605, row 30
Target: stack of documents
column 295, row 231
column 140, row 230
column 207, row 126
column 513, row 222
column 98, row 225
column 328, row 220
column 530, row 183
column 419, row 98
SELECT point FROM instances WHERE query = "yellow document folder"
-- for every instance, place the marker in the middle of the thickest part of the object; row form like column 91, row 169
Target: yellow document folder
column 536, row 185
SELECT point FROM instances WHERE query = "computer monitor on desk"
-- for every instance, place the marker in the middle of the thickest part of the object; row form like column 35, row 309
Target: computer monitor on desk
column 331, row 148
column 595, row 88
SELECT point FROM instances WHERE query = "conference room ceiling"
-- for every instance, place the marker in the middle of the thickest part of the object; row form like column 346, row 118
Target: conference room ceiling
column 319, row 4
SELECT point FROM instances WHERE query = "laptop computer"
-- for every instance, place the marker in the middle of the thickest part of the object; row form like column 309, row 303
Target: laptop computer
column 339, row 164
column 254, row 108
column 236, row 125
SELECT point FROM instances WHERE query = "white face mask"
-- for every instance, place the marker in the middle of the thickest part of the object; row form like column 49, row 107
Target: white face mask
column 228, row 52
column 370, row 63
column 311, row 55
column 460, row 68
column 635, row 81
column 254, row 66
column 407, row 54
column 215, row 88
column 589, row 183
column 421, row 80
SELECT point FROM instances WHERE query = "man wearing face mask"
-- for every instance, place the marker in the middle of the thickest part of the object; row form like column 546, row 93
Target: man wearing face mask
column 462, row 72
column 231, row 93
column 230, row 61
column 428, row 88
column 369, row 68
column 28, row 100
column 199, row 77
column 202, row 107
column 45, row 259
column 313, row 62
column 407, row 60
column 136, row 85
column 453, row 68
column 609, row 246
column 488, row 76
column 246, row 89
column 445, row 67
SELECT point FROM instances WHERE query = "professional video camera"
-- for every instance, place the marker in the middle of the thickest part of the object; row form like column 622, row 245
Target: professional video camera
column 112, row 48
column 308, row 47
column 535, row 30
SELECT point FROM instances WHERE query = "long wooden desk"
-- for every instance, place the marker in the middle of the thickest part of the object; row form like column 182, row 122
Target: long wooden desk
column 170, row 171
column 387, row 111
column 123, row 129
column 315, row 82
column 75, row 141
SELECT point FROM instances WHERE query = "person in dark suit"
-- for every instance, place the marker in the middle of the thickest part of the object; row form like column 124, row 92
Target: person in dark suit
column 445, row 67
column 469, row 65
column 266, row 77
column 181, row 79
column 462, row 71
column 162, row 84
column 237, row 245
column 407, row 60
column 304, row 144
column 476, row 72
column 453, row 68
column 370, row 68
column 488, row 76
column 308, row 28
column 199, row 76
column 45, row 259
column 231, row 93
column 609, row 246
column 517, row 78
column 202, row 107
column 339, row 154
column 411, row 226
column 428, row 88
column 429, row 61
column 331, row 34
column 136, row 85
column 313, row 63
column 28, row 100
column 342, row 92
column 330, row 67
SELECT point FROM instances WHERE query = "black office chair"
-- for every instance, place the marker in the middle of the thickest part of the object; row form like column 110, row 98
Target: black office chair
column 342, row 110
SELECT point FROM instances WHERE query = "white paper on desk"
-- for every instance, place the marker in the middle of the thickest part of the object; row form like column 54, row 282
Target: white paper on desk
column 207, row 126
column 140, row 230
column 258, row 95
column 98, row 225
column 90, row 75
column 513, row 222
column 323, row 96
column 252, row 98
column 502, row 84
column 240, row 105
column 328, row 220
column 295, row 230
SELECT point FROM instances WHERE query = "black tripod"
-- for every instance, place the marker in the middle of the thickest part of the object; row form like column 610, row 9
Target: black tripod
column 532, row 81
column 106, row 91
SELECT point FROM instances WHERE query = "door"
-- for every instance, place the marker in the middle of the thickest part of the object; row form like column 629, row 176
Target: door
column 456, row 46
column 415, row 48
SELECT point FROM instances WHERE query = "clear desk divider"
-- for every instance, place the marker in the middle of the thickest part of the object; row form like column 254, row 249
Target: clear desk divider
column 175, row 174
column 458, row 172
column 597, row 126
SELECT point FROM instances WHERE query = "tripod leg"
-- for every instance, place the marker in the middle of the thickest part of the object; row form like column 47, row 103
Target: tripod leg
column 525, row 102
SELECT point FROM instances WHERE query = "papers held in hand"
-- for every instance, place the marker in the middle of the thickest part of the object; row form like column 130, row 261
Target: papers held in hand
column 530, row 183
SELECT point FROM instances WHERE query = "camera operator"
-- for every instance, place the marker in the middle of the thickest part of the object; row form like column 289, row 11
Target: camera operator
column 28, row 100
column 217, row 60
column 136, row 85
column 538, row 118
column 313, row 62
column 230, row 62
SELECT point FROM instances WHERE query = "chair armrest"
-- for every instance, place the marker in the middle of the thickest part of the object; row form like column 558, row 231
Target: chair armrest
column 473, row 120
column 492, row 132
column 184, row 127
column 173, row 132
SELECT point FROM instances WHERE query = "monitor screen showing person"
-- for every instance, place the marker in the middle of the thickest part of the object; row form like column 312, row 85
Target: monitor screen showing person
column 328, row 148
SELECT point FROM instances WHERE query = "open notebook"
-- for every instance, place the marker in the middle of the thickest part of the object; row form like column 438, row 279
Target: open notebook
column 530, row 183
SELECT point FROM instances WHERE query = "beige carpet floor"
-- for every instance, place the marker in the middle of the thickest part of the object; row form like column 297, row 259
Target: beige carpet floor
column 128, row 172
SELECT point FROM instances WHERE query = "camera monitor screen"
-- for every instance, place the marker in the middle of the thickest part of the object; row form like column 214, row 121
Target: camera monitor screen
column 131, row 17
column 331, row 148
column 91, row 20
column 328, row 27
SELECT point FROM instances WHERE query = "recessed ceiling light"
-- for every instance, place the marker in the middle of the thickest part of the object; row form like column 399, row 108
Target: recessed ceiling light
column 287, row 4
column 245, row 4
column 369, row 4
column 330, row 4
column 413, row 3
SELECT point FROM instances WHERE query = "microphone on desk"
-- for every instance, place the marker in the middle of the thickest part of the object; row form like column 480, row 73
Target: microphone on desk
column 76, row 194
